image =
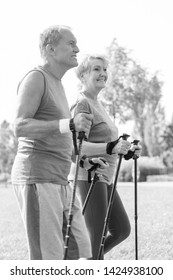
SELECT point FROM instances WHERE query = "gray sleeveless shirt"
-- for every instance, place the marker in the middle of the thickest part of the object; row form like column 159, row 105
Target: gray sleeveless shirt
column 47, row 159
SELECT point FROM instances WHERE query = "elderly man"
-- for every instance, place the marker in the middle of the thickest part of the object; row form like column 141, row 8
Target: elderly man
column 41, row 167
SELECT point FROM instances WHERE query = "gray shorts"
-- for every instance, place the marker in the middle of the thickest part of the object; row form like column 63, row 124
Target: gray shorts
column 45, row 208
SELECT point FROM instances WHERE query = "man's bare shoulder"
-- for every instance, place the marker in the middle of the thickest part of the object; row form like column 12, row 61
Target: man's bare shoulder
column 33, row 78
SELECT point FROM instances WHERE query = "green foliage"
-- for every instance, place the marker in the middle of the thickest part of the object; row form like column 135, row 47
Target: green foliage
column 167, row 137
column 167, row 145
column 125, row 174
column 154, row 128
column 146, row 166
column 150, row 166
column 134, row 94
column 8, row 147
column 167, row 157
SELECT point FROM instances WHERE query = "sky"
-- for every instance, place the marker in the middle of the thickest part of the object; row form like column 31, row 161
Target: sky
column 142, row 26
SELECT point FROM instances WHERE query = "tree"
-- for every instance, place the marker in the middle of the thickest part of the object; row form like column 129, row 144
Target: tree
column 168, row 137
column 167, row 145
column 8, row 147
column 133, row 94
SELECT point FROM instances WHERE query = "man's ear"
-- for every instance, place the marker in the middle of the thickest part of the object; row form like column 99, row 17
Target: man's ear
column 50, row 49
column 82, row 78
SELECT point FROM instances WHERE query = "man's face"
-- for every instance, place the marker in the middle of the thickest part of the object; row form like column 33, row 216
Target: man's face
column 66, row 50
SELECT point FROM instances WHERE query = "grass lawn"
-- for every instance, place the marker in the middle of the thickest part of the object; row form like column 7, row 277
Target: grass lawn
column 155, row 224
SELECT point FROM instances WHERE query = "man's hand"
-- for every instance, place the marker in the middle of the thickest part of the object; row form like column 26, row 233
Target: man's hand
column 82, row 122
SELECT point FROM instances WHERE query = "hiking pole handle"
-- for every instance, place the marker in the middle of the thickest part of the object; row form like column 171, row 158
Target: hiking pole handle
column 82, row 136
column 125, row 136
column 135, row 142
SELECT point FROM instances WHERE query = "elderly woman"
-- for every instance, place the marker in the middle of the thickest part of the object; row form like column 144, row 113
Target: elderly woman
column 101, row 142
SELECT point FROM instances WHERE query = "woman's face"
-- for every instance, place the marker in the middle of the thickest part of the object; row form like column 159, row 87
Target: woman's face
column 95, row 79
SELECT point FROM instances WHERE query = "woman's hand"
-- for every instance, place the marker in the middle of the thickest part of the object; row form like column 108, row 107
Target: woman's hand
column 98, row 163
column 134, row 152
column 137, row 149
column 121, row 147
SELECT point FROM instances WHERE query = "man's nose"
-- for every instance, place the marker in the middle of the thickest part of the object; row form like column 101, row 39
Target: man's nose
column 76, row 49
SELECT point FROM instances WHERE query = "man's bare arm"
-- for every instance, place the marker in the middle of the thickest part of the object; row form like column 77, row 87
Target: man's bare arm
column 29, row 97
column 28, row 100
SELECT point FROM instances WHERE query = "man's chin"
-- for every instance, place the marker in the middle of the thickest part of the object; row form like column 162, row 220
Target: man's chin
column 74, row 64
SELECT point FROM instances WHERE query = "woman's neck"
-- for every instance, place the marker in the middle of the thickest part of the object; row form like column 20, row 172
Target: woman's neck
column 92, row 94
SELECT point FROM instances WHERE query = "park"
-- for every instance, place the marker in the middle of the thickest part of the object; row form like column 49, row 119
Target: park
column 155, row 229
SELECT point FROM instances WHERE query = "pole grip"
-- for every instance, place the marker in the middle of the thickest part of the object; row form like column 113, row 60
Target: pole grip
column 125, row 136
column 81, row 135
column 135, row 142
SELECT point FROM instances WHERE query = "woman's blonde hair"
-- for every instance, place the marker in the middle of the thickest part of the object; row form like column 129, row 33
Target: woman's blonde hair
column 85, row 65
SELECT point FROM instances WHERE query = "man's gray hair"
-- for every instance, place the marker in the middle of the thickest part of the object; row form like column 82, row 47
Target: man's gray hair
column 51, row 35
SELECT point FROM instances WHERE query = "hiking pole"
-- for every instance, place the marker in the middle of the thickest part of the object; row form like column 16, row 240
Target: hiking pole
column 135, row 157
column 95, row 178
column 70, row 215
column 124, row 137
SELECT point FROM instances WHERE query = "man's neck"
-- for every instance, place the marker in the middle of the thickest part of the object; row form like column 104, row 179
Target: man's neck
column 55, row 70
